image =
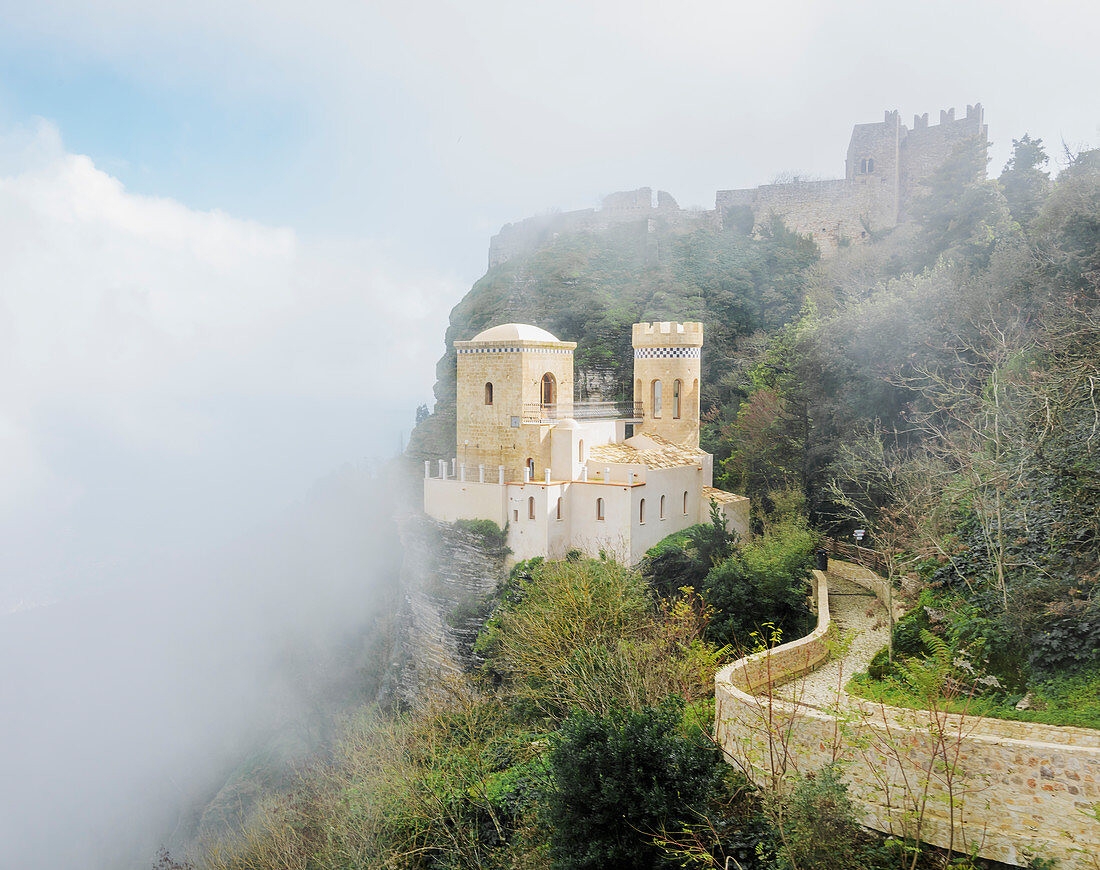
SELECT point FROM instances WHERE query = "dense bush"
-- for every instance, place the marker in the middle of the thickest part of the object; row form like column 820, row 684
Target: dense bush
column 622, row 779
column 587, row 634
column 764, row 581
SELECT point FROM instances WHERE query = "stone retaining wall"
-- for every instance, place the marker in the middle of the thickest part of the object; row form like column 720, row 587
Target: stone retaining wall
column 1003, row 790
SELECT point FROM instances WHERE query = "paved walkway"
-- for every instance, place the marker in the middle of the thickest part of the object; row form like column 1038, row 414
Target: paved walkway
column 860, row 622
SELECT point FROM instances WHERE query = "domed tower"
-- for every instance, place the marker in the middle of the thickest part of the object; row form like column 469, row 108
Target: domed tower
column 514, row 381
column 667, row 357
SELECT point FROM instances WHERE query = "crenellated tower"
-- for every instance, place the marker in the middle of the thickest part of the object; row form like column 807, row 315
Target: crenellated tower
column 667, row 357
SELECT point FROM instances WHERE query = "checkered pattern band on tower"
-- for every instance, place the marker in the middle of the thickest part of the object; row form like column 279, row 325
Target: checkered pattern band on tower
column 515, row 350
column 657, row 352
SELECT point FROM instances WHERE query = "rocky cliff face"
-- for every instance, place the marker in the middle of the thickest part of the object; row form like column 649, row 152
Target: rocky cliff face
column 447, row 573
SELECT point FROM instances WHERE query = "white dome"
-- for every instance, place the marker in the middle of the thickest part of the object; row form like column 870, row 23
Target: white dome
column 514, row 332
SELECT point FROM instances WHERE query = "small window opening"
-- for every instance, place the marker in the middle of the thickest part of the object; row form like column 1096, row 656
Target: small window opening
column 662, row 507
column 515, row 515
column 870, row 164
column 599, row 508
column 641, row 511
column 549, row 389
column 488, row 394
column 531, row 468
column 559, row 507
column 676, row 388
column 580, row 450
column 531, row 508
column 685, row 502
column 656, row 398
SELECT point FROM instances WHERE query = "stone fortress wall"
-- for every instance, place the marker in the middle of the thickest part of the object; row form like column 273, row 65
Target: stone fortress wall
column 999, row 789
column 884, row 167
column 616, row 208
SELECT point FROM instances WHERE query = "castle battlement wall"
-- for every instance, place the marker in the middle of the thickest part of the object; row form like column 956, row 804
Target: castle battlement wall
column 885, row 167
column 616, row 208
column 667, row 334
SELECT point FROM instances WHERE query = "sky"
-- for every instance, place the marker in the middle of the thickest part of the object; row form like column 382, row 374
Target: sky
column 231, row 231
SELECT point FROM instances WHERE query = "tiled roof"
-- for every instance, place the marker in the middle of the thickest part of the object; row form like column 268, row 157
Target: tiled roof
column 665, row 454
column 720, row 496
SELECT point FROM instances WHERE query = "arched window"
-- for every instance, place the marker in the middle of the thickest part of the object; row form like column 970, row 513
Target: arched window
column 530, row 469
column 641, row 511
column 599, row 508
column 662, row 507
column 870, row 164
column 685, row 502
column 580, row 450
column 676, row 389
column 549, row 389
column 863, row 165
column 559, row 507
column 656, row 398
column 531, row 508
column 488, row 394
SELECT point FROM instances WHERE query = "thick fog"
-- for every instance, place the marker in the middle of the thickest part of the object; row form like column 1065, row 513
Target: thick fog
column 195, row 413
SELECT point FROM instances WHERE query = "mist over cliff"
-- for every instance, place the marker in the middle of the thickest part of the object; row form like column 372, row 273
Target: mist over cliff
column 127, row 712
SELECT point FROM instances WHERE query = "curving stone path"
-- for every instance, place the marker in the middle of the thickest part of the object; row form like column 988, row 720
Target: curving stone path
column 860, row 621
column 1000, row 789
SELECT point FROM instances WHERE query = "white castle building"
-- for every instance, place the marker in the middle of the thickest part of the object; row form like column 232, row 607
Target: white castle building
column 592, row 476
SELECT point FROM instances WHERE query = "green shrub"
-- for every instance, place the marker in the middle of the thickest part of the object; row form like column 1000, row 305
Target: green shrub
column 816, row 821
column 492, row 534
column 619, row 781
column 763, row 581
column 587, row 635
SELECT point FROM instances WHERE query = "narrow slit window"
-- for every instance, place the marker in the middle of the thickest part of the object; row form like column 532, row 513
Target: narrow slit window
column 656, row 398
column 488, row 394
column 641, row 511
column 599, row 508
column 677, row 388
column 685, row 502
column 531, row 508
column 559, row 507
column 662, row 507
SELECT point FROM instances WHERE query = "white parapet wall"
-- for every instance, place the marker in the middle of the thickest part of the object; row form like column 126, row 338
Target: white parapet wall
column 1003, row 790
column 450, row 500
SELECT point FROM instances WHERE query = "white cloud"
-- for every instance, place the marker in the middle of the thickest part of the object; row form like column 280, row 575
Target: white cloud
column 147, row 324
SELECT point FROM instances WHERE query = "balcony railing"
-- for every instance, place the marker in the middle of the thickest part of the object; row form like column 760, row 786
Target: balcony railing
column 538, row 413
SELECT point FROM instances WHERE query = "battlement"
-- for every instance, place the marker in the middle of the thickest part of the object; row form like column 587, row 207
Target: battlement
column 975, row 114
column 668, row 334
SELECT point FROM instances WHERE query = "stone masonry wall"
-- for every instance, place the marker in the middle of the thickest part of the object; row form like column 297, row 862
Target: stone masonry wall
column 616, row 208
column 834, row 213
column 1004, row 790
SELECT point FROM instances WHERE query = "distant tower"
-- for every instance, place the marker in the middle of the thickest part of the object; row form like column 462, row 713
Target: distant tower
column 666, row 379
column 508, row 375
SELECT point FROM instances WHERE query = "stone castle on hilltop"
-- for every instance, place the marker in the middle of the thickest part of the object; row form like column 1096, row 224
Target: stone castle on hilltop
column 884, row 169
column 558, row 474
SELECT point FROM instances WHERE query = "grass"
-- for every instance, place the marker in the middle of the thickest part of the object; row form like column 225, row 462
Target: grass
column 1066, row 699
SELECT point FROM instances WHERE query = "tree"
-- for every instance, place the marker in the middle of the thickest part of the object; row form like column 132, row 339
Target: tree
column 962, row 215
column 1023, row 181
column 619, row 781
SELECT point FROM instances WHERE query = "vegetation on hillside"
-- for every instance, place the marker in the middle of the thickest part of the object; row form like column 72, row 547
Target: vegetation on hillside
column 583, row 742
column 938, row 387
